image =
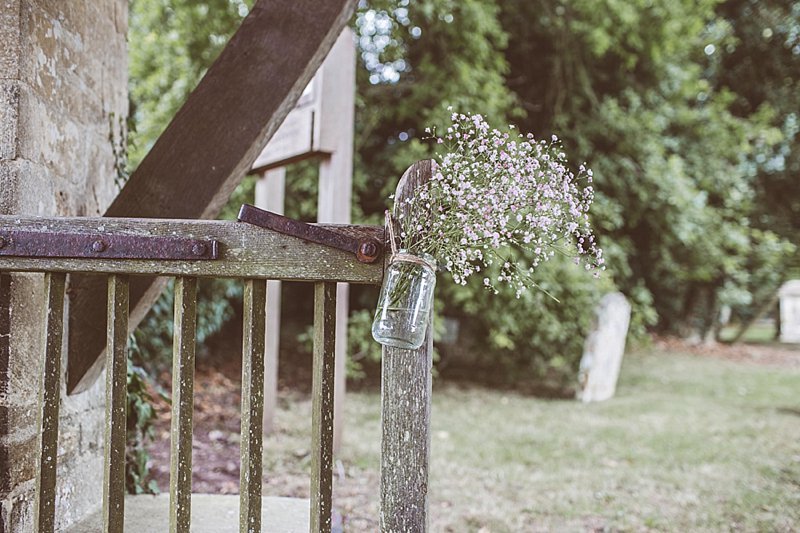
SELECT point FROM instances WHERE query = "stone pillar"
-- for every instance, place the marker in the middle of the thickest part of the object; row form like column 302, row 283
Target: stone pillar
column 63, row 106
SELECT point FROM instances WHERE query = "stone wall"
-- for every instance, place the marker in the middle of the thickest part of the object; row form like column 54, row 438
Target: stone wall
column 63, row 103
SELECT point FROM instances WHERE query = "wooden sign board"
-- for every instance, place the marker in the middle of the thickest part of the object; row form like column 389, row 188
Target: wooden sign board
column 297, row 136
column 310, row 128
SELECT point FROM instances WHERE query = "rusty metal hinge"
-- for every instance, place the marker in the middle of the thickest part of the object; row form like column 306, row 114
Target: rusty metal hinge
column 366, row 250
column 52, row 244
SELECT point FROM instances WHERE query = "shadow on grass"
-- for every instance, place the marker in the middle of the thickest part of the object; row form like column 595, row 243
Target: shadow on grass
column 500, row 381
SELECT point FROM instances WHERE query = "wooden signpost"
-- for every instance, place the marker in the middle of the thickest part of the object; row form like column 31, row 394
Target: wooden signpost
column 320, row 126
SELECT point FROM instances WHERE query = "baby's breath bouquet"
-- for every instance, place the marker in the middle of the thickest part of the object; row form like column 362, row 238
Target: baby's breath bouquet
column 491, row 192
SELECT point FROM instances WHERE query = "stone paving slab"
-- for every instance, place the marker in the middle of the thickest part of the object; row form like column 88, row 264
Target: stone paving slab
column 211, row 513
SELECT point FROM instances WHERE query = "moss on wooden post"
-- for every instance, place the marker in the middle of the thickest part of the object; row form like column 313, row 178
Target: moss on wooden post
column 183, row 351
column 49, row 400
column 322, row 408
column 255, row 301
column 406, row 413
column 246, row 251
column 116, row 404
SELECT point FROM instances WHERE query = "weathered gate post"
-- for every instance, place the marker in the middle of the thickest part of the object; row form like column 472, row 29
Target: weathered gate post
column 406, row 413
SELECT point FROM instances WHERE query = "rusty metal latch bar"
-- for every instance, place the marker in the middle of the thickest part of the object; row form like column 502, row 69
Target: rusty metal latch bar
column 43, row 244
column 366, row 250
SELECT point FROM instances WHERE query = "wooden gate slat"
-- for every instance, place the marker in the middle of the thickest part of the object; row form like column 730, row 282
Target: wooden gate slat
column 50, row 395
column 183, row 352
column 253, row 338
column 116, row 405
column 322, row 408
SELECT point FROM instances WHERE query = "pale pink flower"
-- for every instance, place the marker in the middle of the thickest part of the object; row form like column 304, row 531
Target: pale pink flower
column 494, row 191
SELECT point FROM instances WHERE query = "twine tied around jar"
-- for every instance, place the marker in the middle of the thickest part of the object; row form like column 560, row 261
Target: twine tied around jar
column 398, row 256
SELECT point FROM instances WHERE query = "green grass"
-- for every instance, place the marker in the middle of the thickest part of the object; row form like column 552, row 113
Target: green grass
column 688, row 444
column 758, row 333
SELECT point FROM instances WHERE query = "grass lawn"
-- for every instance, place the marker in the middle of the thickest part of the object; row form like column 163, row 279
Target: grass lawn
column 688, row 444
column 762, row 332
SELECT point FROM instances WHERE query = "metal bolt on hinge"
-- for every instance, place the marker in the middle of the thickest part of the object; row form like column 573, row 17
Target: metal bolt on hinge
column 199, row 249
column 368, row 252
column 99, row 246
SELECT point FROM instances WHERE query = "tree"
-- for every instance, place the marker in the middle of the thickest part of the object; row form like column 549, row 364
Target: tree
column 418, row 58
column 172, row 44
column 685, row 110
column 760, row 65
column 627, row 85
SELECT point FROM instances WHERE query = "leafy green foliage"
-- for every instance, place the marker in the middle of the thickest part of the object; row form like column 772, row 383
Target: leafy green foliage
column 686, row 111
column 454, row 53
column 360, row 346
column 630, row 87
column 760, row 65
column 150, row 353
column 536, row 338
column 362, row 351
column 172, row 44
column 216, row 303
column 140, row 419
column 441, row 53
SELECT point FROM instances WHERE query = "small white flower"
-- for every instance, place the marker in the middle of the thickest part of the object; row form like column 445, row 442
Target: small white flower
column 491, row 191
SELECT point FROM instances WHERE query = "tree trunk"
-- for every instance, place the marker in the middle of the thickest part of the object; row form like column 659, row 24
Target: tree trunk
column 765, row 307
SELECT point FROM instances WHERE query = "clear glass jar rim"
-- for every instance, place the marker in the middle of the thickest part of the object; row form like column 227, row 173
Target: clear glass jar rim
column 404, row 256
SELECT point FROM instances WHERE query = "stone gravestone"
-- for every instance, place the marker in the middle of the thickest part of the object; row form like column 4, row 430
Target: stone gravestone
column 602, row 352
column 790, row 311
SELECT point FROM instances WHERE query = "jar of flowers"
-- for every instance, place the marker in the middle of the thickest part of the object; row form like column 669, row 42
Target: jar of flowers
column 490, row 191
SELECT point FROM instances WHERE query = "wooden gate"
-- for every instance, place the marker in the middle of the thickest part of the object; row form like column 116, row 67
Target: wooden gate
column 121, row 249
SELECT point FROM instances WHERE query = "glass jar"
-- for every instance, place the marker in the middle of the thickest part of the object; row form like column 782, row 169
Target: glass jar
column 406, row 301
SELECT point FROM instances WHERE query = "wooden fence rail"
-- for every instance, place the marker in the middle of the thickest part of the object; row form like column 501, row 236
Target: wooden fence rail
column 252, row 433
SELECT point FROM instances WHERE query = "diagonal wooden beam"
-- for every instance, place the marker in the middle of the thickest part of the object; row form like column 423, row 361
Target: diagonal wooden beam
column 209, row 147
